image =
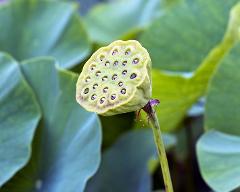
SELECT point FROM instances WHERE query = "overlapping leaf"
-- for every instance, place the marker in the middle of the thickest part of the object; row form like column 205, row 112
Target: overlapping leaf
column 120, row 19
column 182, row 38
column 19, row 115
column 124, row 165
column 179, row 92
column 114, row 126
column 31, row 28
column 218, row 153
column 219, row 160
column 223, row 103
column 66, row 150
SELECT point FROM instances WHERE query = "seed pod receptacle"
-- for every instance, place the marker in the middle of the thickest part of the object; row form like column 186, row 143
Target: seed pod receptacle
column 116, row 79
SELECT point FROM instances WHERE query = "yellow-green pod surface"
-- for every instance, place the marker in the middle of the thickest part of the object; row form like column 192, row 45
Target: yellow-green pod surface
column 116, row 79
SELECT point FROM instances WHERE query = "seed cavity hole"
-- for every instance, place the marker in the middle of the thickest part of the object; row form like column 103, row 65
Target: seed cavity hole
column 135, row 61
column 115, row 63
column 94, row 96
column 133, row 76
column 115, row 52
column 102, row 57
column 104, row 78
column 86, row 91
column 113, row 96
column 124, row 63
column 120, row 84
column 107, row 63
column 92, row 67
column 98, row 73
column 123, row 91
column 95, row 86
column 105, row 89
column 102, row 100
column 87, row 79
column 128, row 52
column 124, row 72
column 114, row 77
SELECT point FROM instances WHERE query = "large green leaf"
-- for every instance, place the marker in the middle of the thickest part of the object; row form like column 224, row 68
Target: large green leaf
column 31, row 28
column 120, row 19
column 110, row 132
column 124, row 165
column 223, row 103
column 19, row 115
column 67, row 145
column 219, row 160
column 182, row 38
column 218, row 153
column 178, row 92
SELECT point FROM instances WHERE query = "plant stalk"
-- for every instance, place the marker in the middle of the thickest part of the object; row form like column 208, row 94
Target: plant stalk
column 148, row 108
column 161, row 152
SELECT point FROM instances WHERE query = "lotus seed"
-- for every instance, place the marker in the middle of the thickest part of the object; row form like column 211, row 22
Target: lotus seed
column 105, row 89
column 107, row 63
column 115, row 63
column 124, row 72
column 127, row 52
column 98, row 73
column 114, row 77
column 104, row 78
column 95, row 86
column 120, row 84
column 94, row 96
column 93, row 67
column 86, row 91
column 124, row 63
column 113, row 96
column 114, row 52
column 135, row 61
column 87, row 79
column 133, row 75
column 102, row 100
column 101, row 58
column 123, row 91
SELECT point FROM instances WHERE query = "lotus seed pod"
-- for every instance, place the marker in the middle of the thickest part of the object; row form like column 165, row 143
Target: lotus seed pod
column 116, row 79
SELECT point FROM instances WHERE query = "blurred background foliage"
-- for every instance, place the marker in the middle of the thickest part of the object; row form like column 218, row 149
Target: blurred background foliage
column 48, row 143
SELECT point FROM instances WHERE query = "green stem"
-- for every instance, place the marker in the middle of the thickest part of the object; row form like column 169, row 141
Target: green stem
column 161, row 152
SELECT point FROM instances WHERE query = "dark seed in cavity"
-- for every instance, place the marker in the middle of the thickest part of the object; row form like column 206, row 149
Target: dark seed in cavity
column 113, row 96
column 87, row 79
column 120, row 84
column 86, row 91
column 115, row 63
column 124, row 63
column 114, row 77
column 127, row 52
column 104, row 78
column 94, row 96
column 107, row 63
column 135, row 61
column 114, row 52
column 93, row 67
column 105, row 89
column 124, row 72
column 102, row 100
column 133, row 75
column 123, row 91
column 98, row 73
column 95, row 86
column 101, row 58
